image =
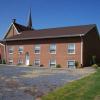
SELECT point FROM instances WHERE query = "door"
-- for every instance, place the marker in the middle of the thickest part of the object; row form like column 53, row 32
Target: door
column 27, row 59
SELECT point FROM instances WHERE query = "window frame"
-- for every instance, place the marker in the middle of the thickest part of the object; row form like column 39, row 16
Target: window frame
column 19, row 50
column 50, row 49
column 35, row 48
column 9, row 48
column 68, row 45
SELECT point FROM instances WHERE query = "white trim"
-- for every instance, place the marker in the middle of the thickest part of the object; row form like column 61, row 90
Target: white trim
column 68, row 61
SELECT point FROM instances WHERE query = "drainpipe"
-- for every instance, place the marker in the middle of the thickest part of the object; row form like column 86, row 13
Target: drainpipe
column 81, row 36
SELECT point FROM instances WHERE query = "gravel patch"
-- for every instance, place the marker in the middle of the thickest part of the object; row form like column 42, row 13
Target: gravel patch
column 27, row 83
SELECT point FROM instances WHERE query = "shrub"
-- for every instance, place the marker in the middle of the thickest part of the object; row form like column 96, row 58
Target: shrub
column 93, row 59
column 41, row 65
column 0, row 61
column 19, row 64
column 95, row 66
column 98, row 65
column 30, row 65
column 76, row 64
column 58, row 66
column 3, row 61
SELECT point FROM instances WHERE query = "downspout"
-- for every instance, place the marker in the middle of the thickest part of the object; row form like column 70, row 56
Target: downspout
column 81, row 36
column 5, row 51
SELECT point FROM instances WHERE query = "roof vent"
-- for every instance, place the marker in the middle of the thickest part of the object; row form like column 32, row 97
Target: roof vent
column 14, row 20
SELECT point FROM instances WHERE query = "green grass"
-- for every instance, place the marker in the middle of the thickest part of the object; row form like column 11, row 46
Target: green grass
column 87, row 88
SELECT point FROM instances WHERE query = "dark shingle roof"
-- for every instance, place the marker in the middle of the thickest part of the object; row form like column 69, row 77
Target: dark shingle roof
column 21, row 28
column 71, row 31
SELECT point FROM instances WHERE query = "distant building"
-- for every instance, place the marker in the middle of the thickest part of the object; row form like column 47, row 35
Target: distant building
column 53, row 46
column 1, row 53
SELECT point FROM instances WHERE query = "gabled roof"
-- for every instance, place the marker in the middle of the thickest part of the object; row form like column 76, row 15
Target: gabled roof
column 19, row 28
column 72, row 31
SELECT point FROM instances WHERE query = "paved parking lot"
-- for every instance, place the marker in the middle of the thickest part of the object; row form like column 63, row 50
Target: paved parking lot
column 27, row 83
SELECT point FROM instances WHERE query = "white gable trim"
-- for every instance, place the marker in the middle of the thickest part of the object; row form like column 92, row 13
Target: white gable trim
column 9, row 30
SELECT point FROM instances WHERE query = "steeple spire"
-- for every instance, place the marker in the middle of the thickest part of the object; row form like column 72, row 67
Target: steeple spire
column 30, row 20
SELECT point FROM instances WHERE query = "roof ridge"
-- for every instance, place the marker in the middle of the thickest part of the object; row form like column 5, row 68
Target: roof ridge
column 67, row 27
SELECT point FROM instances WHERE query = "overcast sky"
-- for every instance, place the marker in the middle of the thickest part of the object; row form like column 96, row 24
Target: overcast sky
column 49, row 13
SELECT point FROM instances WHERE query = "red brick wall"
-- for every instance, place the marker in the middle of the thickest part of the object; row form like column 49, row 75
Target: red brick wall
column 61, row 55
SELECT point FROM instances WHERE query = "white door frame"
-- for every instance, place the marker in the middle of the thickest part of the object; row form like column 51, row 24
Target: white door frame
column 27, row 59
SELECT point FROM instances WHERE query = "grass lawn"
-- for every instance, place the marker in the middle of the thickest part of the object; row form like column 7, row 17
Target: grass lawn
column 87, row 88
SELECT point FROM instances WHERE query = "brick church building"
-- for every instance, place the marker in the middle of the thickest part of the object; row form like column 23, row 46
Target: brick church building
column 50, row 47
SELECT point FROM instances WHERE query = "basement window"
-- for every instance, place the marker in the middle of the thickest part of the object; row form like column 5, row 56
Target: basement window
column 71, row 63
column 10, row 61
column 52, row 63
column 37, row 62
column 20, row 61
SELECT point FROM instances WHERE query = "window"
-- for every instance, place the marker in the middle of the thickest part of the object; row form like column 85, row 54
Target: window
column 20, row 49
column 53, row 48
column 20, row 61
column 71, row 48
column 52, row 63
column 37, row 62
column 11, row 50
column 10, row 61
column 37, row 49
column 71, row 64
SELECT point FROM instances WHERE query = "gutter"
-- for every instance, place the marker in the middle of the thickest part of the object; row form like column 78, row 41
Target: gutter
column 78, row 35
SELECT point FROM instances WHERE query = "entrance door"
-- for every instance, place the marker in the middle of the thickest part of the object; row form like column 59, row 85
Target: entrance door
column 27, row 60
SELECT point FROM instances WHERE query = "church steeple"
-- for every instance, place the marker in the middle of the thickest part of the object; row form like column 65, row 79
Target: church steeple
column 29, row 25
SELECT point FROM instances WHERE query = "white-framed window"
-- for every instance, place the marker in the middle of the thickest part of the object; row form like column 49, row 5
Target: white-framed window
column 52, row 63
column 20, row 61
column 37, row 48
column 71, row 48
column 20, row 49
column 10, row 61
column 52, row 48
column 71, row 63
column 37, row 62
column 10, row 50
